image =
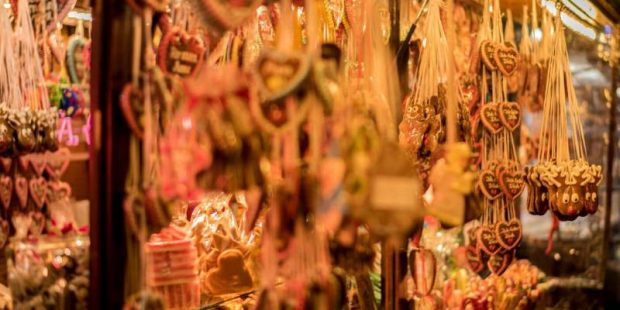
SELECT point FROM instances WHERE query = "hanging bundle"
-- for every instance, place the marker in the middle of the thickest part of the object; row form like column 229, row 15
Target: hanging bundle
column 500, row 180
column 27, row 109
column 423, row 127
column 562, row 181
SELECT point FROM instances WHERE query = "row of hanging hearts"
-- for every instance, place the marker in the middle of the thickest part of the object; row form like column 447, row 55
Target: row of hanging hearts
column 32, row 223
column 54, row 163
column 17, row 190
column 497, row 116
column 493, row 246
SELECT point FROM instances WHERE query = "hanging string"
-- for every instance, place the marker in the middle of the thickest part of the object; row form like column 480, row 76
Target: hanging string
column 31, row 79
column 9, row 94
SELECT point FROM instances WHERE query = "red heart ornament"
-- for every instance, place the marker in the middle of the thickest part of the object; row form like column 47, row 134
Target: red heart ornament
column 38, row 191
column 506, row 58
column 37, row 225
column 131, row 106
column 489, row 115
column 489, row 185
column 6, row 191
column 58, row 162
column 24, row 162
column 509, row 234
column 510, row 115
column 4, row 232
column 487, row 53
column 6, row 163
column 473, row 259
column 511, row 183
column 180, row 53
column 487, row 240
column 498, row 263
column 38, row 163
column 424, row 267
column 21, row 189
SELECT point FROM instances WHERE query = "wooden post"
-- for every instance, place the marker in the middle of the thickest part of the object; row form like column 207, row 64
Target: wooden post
column 609, row 175
column 111, row 50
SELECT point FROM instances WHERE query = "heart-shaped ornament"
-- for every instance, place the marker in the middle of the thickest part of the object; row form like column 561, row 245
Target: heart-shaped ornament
column 38, row 191
column 6, row 163
column 21, row 190
column 487, row 53
column 487, row 240
column 38, row 163
column 180, row 53
column 4, row 232
column 131, row 106
column 509, row 234
column 424, row 267
column 489, row 115
column 37, row 225
column 489, row 185
column 278, row 74
column 6, row 191
column 224, row 15
column 63, row 7
column 511, row 183
column 24, row 162
column 506, row 58
column 498, row 263
column 473, row 259
column 58, row 190
column 510, row 115
column 58, row 162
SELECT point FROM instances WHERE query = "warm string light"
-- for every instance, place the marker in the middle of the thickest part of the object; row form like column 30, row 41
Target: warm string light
column 571, row 22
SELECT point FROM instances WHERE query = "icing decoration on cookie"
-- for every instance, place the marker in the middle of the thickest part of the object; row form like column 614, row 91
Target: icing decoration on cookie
column 510, row 115
column 489, row 115
column 489, row 184
column 180, row 53
column 506, row 58
column 509, row 234
column 487, row 240
column 487, row 53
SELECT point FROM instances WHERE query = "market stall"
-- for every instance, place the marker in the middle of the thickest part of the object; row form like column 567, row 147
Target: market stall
column 351, row 154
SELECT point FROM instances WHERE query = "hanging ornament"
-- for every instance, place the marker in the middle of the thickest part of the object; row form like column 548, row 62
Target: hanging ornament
column 562, row 180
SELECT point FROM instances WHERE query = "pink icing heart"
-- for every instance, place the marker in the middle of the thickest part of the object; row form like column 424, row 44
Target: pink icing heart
column 58, row 162
column 21, row 189
column 38, row 191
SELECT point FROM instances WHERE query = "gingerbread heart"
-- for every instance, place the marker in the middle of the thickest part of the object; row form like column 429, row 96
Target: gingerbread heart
column 510, row 115
column 224, row 15
column 230, row 276
column 6, row 191
column 498, row 263
column 63, row 7
column 58, row 162
column 6, row 163
column 57, row 190
column 423, row 266
column 38, row 191
column 511, row 183
column 4, row 232
column 180, row 53
column 38, row 163
column 37, row 224
column 21, row 190
column 278, row 74
column 473, row 259
column 24, row 162
column 506, row 58
column 487, row 240
column 131, row 106
column 509, row 234
column 487, row 53
column 489, row 184
column 489, row 116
